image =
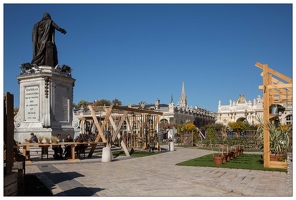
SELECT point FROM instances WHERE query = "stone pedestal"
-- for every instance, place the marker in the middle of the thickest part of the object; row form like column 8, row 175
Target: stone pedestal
column 46, row 97
column 106, row 154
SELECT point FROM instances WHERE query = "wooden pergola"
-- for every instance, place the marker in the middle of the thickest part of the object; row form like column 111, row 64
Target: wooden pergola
column 128, row 114
column 274, row 92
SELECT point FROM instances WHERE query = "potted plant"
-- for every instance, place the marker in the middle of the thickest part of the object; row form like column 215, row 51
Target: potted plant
column 212, row 135
column 279, row 139
column 40, row 138
column 218, row 157
column 47, row 140
column 54, row 139
column 225, row 150
column 235, row 145
column 276, row 109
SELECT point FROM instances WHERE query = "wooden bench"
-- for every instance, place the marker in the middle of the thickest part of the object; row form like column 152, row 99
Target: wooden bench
column 44, row 149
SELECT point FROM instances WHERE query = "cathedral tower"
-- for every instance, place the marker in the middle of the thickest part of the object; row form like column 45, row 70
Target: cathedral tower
column 183, row 98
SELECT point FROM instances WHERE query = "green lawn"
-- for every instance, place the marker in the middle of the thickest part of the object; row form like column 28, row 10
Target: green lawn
column 244, row 161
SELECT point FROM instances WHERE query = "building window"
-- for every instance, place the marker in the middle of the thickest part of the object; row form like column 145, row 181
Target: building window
column 289, row 119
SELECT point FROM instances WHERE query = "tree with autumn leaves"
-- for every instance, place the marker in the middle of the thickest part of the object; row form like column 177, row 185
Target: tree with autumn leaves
column 238, row 126
column 187, row 131
column 102, row 102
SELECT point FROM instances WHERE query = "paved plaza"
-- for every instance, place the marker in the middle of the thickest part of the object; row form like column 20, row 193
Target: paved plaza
column 158, row 176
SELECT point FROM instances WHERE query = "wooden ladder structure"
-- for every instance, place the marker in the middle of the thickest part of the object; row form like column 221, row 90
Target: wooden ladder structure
column 274, row 92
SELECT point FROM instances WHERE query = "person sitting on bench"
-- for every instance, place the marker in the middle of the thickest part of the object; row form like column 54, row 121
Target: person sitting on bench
column 58, row 150
column 67, row 151
column 33, row 139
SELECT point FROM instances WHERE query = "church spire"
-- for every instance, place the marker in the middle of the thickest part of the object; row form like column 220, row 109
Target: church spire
column 183, row 88
column 172, row 100
column 183, row 98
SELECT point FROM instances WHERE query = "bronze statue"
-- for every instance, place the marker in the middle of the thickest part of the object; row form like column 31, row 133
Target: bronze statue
column 44, row 48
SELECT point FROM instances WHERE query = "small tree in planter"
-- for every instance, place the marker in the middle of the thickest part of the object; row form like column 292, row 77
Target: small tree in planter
column 243, row 141
column 235, row 146
column 225, row 143
column 232, row 147
column 212, row 135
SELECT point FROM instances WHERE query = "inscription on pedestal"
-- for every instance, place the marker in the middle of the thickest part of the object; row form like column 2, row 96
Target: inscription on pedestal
column 61, row 108
column 32, row 103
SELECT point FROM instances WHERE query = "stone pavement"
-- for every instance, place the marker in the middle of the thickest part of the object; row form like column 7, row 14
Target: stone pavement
column 158, row 176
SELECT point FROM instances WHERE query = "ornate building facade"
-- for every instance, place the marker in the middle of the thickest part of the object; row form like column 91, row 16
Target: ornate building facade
column 243, row 110
column 172, row 114
column 182, row 113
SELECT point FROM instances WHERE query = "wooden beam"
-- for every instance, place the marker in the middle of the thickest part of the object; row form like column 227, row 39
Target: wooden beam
column 138, row 110
column 281, row 86
column 156, row 121
column 278, row 74
column 8, row 130
column 110, row 109
column 272, row 93
column 266, row 148
column 283, row 90
column 117, row 128
column 283, row 98
column 116, row 132
column 100, row 132
column 274, row 80
column 128, row 122
column 277, row 164
column 282, row 93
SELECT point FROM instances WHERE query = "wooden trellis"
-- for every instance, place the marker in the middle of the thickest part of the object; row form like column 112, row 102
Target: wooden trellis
column 274, row 92
column 121, row 113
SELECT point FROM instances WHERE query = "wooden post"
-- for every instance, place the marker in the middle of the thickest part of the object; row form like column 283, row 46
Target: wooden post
column 116, row 132
column 272, row 93
column 8, row 131
column 100, row 134
column 266, row 150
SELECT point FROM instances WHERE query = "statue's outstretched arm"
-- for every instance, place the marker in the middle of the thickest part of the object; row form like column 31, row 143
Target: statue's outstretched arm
column 58, row 28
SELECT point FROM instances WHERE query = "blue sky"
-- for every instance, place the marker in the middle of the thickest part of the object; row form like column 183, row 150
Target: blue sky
column 143, row 52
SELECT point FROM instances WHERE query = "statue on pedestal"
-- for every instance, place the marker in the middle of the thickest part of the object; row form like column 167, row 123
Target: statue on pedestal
column 44, row 48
